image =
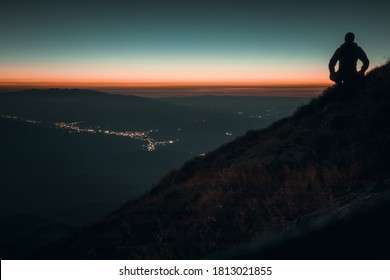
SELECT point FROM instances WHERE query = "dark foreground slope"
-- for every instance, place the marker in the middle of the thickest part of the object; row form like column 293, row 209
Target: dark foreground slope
column 323, row 159
column 354, row 229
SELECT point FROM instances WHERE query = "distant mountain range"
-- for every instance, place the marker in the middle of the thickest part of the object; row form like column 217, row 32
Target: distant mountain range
column 89, row 106
column 203, row 122
column 326, row 162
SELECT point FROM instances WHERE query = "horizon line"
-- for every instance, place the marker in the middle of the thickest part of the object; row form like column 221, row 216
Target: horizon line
column 162, row 89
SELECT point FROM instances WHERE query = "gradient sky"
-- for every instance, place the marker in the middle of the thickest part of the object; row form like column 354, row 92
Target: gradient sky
column 120, row 43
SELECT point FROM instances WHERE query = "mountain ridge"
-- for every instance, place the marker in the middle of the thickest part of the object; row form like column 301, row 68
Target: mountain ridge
column 265, row 180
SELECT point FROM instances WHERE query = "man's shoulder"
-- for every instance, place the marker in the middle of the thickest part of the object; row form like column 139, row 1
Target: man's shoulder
column 348, row 45
column 359, row 49
column 354, row 48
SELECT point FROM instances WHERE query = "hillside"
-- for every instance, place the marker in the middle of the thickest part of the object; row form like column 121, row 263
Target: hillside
column 262, row 184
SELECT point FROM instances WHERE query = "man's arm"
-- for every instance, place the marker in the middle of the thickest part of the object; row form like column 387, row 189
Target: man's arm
column 363, row 57
column 333, row 61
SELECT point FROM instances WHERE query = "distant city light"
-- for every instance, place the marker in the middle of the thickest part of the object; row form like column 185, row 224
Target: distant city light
column 151, row 143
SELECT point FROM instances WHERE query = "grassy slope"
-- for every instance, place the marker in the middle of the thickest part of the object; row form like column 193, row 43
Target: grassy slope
column 263, row 181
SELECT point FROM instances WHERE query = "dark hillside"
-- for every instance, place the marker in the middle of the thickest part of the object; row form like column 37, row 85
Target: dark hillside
column 355, row 228
column 260, row 184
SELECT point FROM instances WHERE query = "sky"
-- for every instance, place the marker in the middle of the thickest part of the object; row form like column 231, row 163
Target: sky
column 130, row 45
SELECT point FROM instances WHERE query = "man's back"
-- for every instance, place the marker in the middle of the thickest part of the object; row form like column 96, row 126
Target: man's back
column 347, row 55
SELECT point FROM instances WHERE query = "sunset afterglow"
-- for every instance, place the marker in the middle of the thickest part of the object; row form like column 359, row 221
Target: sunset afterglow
column 136, row 46
column 163, row 71
column 183, row 77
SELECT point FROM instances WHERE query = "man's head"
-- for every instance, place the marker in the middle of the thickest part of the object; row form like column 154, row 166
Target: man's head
column 349, row 37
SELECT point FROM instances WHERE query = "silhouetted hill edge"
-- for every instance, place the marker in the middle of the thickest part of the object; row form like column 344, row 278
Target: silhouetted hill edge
column 261, row 184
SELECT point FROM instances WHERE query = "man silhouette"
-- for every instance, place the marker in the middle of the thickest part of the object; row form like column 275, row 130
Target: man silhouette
column 348, row 55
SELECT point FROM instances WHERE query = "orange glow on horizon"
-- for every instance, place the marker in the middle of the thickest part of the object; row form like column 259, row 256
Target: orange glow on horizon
column 241, row 79
column 158, row 74
column 166, row 89
column 53, row 82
